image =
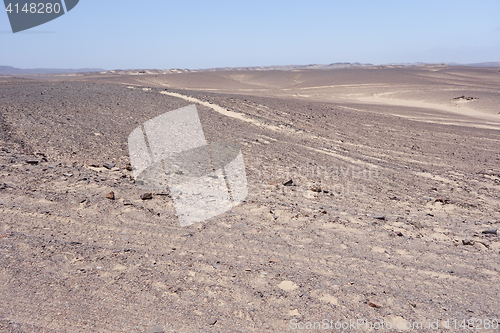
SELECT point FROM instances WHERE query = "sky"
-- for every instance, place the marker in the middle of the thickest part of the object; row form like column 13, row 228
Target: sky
column 164, row 34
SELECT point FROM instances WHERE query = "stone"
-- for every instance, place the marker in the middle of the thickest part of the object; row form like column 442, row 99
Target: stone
column 288, row 183
column 468, row 241
column 490, row 232
column 111, row 195
column 108, row 165
column 147, row 196
column 32, row 161
column 373, row 305
column 212, row 321
column 379, row 217
column 444, row 201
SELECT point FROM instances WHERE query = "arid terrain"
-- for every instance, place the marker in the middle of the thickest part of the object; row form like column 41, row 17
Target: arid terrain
column 391, row 214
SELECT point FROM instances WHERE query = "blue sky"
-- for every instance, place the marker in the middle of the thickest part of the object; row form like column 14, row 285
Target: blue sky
column 114, row 34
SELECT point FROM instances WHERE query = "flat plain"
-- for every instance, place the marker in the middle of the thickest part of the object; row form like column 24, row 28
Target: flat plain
column 391, row 216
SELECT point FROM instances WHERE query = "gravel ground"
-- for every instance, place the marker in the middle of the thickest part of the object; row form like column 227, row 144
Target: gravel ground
column 388, row 217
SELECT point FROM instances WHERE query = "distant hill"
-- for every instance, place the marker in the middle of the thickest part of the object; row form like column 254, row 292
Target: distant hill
column 289, row 67
column 9, row 70
column 485, row 64
column 6, row 70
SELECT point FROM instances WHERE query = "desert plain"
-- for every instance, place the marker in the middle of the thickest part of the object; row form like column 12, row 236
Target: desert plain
column 373, row 197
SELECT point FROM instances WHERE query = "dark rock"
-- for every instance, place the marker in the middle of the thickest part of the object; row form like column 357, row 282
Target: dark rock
column 468, row 241
column 128, row 167
column 465, row 98
column 379, row 217
column 111, row 195
column 288, row 183
column 373, row 305
column 490, row 232
column 32, row 161
column 147, row 196
column 44, row 157
column 400, row 234
column 444, row 201
column 108, row 165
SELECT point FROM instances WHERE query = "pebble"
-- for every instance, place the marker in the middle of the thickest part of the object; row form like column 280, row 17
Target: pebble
column 108, row 165
column 379, row 217
column 373, row 305
column 111, row 195
column 32, row 161
column 212, row 321
column 490, row 231
column 128, row 167
column 468, row 241
column 288, row 183
column 147, row 196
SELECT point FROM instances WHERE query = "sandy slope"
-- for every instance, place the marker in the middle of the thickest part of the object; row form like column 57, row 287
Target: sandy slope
column 73, row 261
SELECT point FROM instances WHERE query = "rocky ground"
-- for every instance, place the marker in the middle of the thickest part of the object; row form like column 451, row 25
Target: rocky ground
column 387, row 218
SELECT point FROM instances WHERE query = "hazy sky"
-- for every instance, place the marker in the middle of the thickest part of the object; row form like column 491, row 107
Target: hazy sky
column 163, row 34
